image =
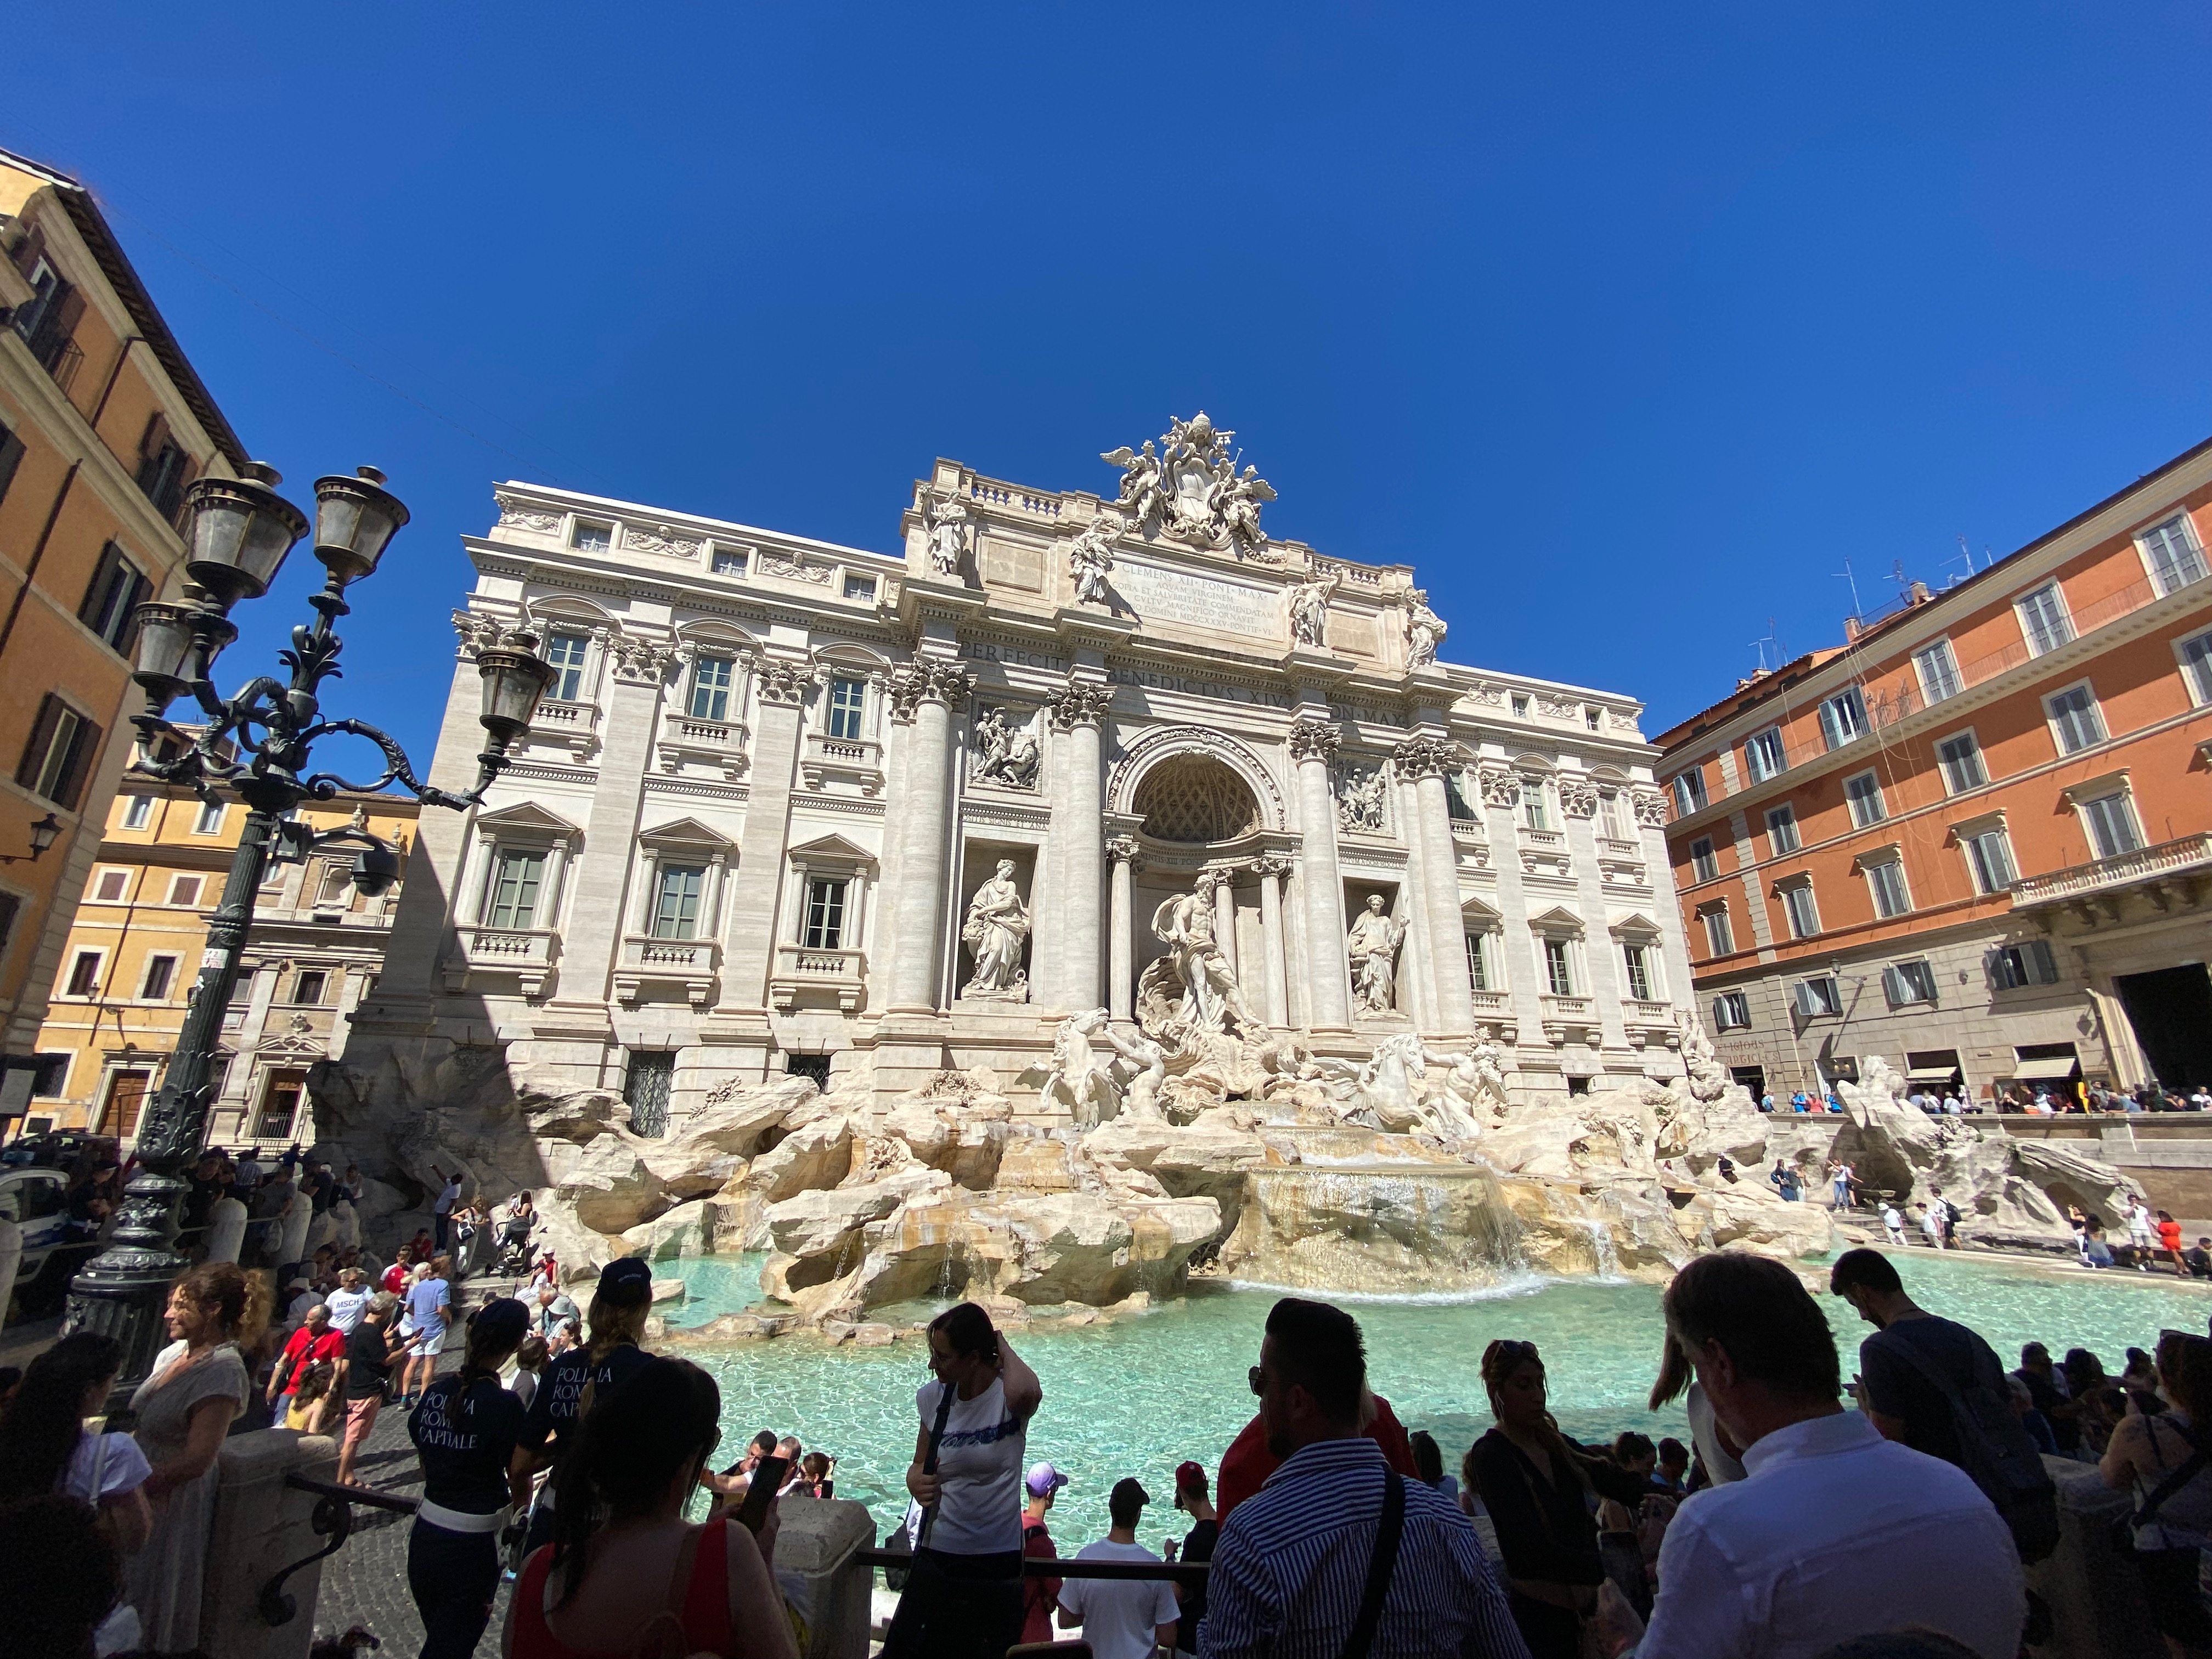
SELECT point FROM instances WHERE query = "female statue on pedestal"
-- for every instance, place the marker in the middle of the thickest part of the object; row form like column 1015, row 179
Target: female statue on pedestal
column 1372, row 945
column 997, row 923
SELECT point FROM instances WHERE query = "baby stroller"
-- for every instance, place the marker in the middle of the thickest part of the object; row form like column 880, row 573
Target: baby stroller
column 514, row 1245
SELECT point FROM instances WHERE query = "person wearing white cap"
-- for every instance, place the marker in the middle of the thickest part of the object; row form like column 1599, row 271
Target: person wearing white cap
column 1039, row 1595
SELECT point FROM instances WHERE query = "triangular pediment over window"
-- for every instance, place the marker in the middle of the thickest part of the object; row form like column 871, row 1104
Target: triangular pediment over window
column 1557, row 920
column 826, row 850
column 527, row 817
column 1634, row 926
column 686, row 832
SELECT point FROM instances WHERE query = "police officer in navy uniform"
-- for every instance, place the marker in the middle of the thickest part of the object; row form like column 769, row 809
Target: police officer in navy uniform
column 616, row 1321
column 465, row 1429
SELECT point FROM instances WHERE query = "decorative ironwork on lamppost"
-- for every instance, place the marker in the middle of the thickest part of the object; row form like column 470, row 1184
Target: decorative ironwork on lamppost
column 256, row 744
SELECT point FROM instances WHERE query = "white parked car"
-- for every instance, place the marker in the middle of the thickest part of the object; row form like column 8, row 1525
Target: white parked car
column 36, row 1201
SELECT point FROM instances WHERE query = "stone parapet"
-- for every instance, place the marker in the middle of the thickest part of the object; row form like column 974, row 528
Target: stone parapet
column 261, row 1527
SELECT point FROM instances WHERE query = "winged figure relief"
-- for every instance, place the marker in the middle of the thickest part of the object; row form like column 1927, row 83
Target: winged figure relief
column 1141, row 479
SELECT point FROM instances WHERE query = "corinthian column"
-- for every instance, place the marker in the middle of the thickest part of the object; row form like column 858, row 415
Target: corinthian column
column 1328, row 990
column 1271, row 868
column 1121, row 988
column 1424, row 761
column 1076, row 710
column 921, row 693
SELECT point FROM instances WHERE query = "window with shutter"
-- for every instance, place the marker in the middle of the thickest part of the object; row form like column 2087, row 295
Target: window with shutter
column 11, row 453
column 1731, row 1010
column 1702, row 865
column 1961, row 760
column 1939, row 671
column 1886, row 883
column 2075, row 722
column 10, row 907
column 111, row 601
column 1991, row 857
column 50, row 337
column 2111, row 822
column 1782, row 828
column 164, row 468
column 2043, row 619
column 2197, row 666
column 2175, row 559
column 1763, row 754
column 60, row 753
column 1844, row 718
column 1720, row 938
column 1864, row 793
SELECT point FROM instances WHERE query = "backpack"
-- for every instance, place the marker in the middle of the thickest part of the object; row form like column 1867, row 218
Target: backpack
column 1995, row 1450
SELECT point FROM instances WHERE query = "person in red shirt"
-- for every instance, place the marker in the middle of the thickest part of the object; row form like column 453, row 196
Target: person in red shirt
column 316, row 1340
column 395, row 1276
column 1038, row 1595
column 2169, row 1243
column 1247, row 1464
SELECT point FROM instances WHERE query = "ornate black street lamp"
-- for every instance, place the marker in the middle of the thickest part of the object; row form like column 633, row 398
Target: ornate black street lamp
column 257, row 744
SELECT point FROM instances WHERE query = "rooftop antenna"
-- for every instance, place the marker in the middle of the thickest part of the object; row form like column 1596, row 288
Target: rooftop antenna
column 1845, row 574
column 1966, row 553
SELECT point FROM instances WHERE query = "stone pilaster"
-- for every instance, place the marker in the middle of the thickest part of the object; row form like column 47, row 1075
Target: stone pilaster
column 780, row 693
column 921, row 694
column 1120, row 939
column 1328, row 984
column 592, row 939
column 1425, row 760
column 1076, row 710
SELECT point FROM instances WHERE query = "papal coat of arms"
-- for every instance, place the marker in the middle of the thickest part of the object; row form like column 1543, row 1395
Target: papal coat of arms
column 1190, row 489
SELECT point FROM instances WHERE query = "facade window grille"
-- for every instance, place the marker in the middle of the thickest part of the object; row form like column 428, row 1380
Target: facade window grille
column 645, row 1089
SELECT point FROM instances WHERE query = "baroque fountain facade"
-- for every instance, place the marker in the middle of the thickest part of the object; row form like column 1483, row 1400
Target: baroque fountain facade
column 1098, row 890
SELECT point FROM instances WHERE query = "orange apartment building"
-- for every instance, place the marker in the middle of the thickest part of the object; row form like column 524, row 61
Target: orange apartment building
column 1975, row 839
column 103, row 424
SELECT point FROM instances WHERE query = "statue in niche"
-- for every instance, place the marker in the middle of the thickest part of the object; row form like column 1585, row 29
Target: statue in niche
column 1359, row 802
column 946, row 522
column 1195, row 966
column 1372, row 945
column 1309, row 610
column 1004, row 754
column 1090, row 558
column 1425, row 630
column 997, row 926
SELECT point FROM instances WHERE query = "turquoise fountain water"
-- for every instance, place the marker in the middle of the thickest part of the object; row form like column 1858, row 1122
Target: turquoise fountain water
column 1137, row 1395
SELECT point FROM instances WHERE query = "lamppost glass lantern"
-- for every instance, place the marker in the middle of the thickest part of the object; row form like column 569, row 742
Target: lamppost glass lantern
column 168, row 635
column 355, row 520
column 44, row 834
column 514, row 678
column 241, row 531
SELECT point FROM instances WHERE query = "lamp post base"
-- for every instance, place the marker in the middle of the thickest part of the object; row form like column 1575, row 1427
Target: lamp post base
column 123, row 1291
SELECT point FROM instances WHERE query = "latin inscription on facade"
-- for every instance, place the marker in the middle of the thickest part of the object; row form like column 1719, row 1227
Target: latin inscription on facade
column 1159, row 596
column 1185, row 686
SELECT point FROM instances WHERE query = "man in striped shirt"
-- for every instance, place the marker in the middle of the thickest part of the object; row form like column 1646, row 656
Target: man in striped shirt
column 1292, row 1564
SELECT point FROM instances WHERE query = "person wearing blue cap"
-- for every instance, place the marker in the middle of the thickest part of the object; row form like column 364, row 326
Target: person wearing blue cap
column 575, row 1380
column 464, row 1429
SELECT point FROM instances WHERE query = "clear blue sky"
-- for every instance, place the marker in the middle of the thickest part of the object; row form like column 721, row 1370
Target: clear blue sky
column 1626, row 324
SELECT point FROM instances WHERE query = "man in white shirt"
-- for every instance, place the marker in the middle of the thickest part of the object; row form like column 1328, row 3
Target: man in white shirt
column 1122, row 1617
column 1893, row 1223
column 1834, row 1533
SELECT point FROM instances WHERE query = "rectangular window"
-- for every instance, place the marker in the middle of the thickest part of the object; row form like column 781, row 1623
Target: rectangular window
column 589, row 537
column 46, row 285
column 1720, row 938
column 137, row 810
column 859, row 587
column 58, row 757
column 1804, row 915
column 2043, row 619
column 825, row 913
column 160, row 972
column 847, row 699
column 210, row 822
column 2197, row 666
column 1939, row 671
column 184, row 889
column 1559, row 967
column 308, row 986
column 1535, row 811
column 1593, row 719
column 1886, row 881
column 1961, row 758
column 2111, row 823
column 1637, row 960
column 2075, row 721
column 84, row 974
column 2030, row 962
column 729, row 562
column 676, row 906
column 2175, row 559
column 1520, row 706
column 1820, row 998
column 113, row 884
column 1864, row 793
column 1763, row 754
column 51, row 1082
column 337, row 880
column 710, row 688
column 514, row 887
column 1689, row 790
column 1478, row 963
column 113, row 597
column 1702, row 865
column 1908, row 982
column 1732, row 1011
column 1612, row 823
column 11, row 453
column 1782, row 828
column 1991, row 856
column 1844, row 718
column 564, row 653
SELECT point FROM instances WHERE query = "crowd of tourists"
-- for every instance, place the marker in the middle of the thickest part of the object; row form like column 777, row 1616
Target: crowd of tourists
column 1805, row 1515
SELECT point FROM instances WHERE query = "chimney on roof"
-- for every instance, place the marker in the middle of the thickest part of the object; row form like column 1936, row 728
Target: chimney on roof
column 1851, row 629
column 1920, row 594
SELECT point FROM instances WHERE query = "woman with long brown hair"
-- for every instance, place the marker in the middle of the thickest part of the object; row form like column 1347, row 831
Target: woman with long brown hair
column 2162, row 1457
column 185, row 1408
column 1536, row 1483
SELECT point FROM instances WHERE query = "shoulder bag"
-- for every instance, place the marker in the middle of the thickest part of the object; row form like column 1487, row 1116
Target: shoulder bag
column 1388, row 1531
